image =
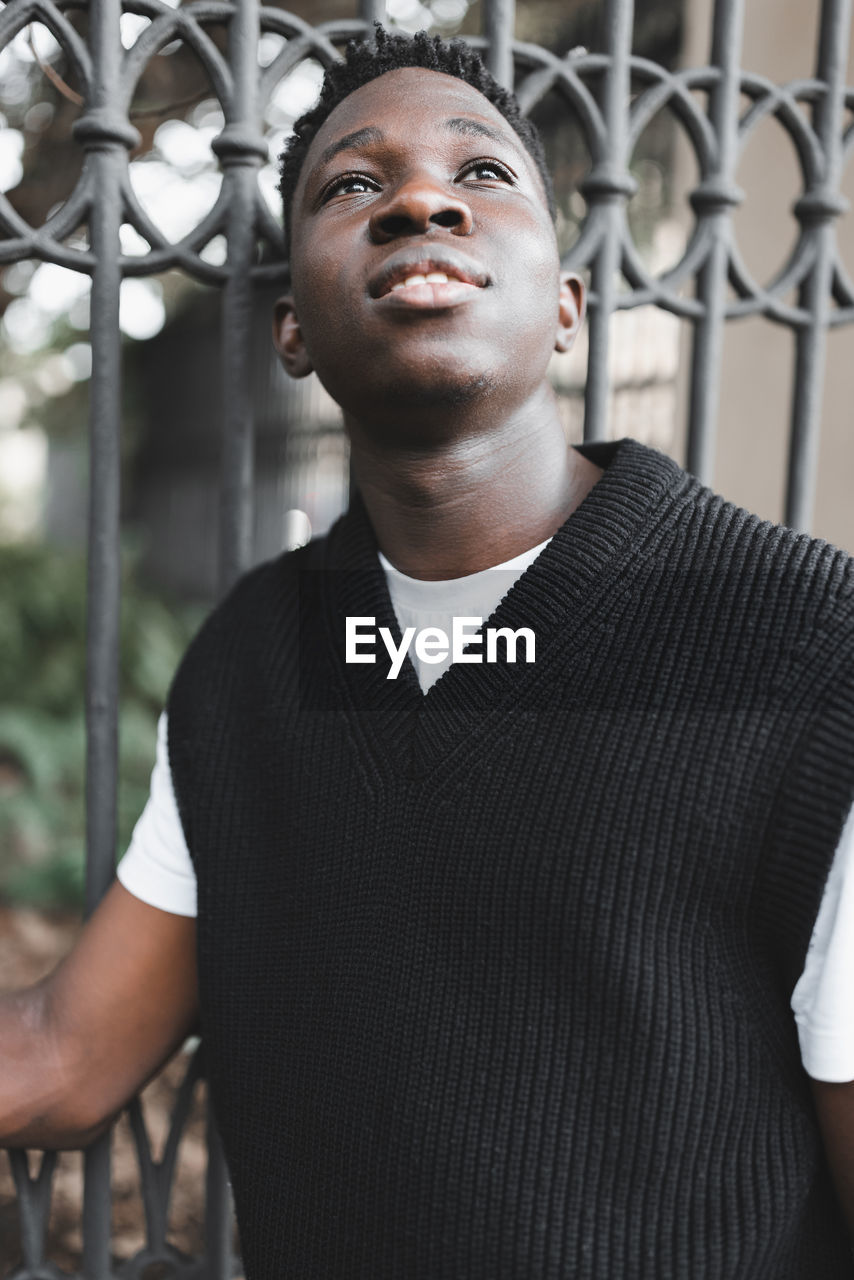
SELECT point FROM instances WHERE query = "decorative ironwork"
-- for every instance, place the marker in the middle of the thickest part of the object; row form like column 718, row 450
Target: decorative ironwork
column 613, row 95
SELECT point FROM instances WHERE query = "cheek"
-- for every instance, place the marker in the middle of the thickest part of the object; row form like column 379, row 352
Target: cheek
column 543, row 266
column 532, row 262
column 321, row 297
column 536, row 311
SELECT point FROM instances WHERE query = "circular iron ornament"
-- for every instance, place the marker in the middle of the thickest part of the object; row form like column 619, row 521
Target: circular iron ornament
column 18, row 239
column 659, row 89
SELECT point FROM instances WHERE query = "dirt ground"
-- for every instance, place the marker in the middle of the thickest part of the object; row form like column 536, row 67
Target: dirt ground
column 31, row 944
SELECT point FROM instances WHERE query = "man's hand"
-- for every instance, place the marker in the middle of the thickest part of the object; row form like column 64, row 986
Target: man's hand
column 81, row 1043
column 835, row 1107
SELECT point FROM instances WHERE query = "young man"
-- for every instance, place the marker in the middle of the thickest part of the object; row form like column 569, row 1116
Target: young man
column 494, row 970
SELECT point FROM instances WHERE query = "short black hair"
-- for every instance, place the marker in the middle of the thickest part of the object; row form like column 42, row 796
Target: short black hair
column 390, row 51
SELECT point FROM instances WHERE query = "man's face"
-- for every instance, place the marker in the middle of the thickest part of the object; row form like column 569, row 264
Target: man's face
column 416, row 175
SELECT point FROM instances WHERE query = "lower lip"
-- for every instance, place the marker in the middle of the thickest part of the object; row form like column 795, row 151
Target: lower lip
column 429, row 297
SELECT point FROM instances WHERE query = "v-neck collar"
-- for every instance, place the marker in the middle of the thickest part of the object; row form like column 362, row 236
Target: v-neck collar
column 413, row 731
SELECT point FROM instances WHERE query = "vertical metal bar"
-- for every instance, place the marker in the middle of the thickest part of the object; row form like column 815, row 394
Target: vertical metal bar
column 106, row 136
column 713, row 199
column 219, row 1215
column 499, row 24
column 816, row 211
column 241, row 149
column 96, row 1210
column 606, row 190
column 34, row 1196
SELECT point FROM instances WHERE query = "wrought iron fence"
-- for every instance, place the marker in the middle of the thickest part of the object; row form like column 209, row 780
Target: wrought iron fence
column 613, row 94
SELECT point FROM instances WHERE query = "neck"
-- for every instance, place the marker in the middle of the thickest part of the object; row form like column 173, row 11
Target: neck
column 453, row 507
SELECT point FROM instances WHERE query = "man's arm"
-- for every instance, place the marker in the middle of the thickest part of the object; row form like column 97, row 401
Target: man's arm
column 78, row 1045
column 835, row 1107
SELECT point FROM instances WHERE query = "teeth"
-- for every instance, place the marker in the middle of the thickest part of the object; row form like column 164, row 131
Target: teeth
column 432, row 277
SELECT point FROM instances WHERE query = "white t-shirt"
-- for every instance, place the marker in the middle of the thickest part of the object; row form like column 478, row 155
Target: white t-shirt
column 157, row 866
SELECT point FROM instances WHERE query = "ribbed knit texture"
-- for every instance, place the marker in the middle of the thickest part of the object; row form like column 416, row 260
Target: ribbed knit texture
column 494, row 981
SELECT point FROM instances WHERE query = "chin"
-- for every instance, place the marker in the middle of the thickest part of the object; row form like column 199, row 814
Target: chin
column 442, row 391
column 405, row 393
column 421, row 400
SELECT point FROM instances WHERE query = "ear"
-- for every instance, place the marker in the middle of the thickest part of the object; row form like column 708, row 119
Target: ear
column 573, row 305
column 288, row 340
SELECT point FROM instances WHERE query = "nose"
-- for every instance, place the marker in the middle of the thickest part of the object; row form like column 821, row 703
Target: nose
column 416, row 207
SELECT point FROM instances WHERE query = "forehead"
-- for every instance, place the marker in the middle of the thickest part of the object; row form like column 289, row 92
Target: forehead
column 405, row 102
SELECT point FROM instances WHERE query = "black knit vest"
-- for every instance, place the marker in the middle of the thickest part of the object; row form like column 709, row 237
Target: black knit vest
column 495, row 981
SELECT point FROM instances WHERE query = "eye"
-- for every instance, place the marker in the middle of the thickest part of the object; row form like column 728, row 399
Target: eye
column 350, row 184
column 488, row 171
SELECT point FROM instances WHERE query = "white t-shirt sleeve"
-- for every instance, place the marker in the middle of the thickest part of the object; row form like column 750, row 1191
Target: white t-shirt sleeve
column 157, row 866
column 823, row 1000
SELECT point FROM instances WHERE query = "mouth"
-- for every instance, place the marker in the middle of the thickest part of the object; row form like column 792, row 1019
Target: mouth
column 439, row 279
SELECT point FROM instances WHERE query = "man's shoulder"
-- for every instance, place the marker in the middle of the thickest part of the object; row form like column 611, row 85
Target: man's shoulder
column 751, row 554
column 708, row 548
column 768, row 596
column 751, row 592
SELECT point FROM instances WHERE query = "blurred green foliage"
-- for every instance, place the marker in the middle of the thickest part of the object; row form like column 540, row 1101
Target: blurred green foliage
column 42, row 699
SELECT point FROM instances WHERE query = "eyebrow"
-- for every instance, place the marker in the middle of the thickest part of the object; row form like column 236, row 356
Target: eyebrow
column 355, row 139
column 466, row 126
column 370, row 134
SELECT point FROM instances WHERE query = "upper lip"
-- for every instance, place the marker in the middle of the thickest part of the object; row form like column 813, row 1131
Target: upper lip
column 420, row 261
